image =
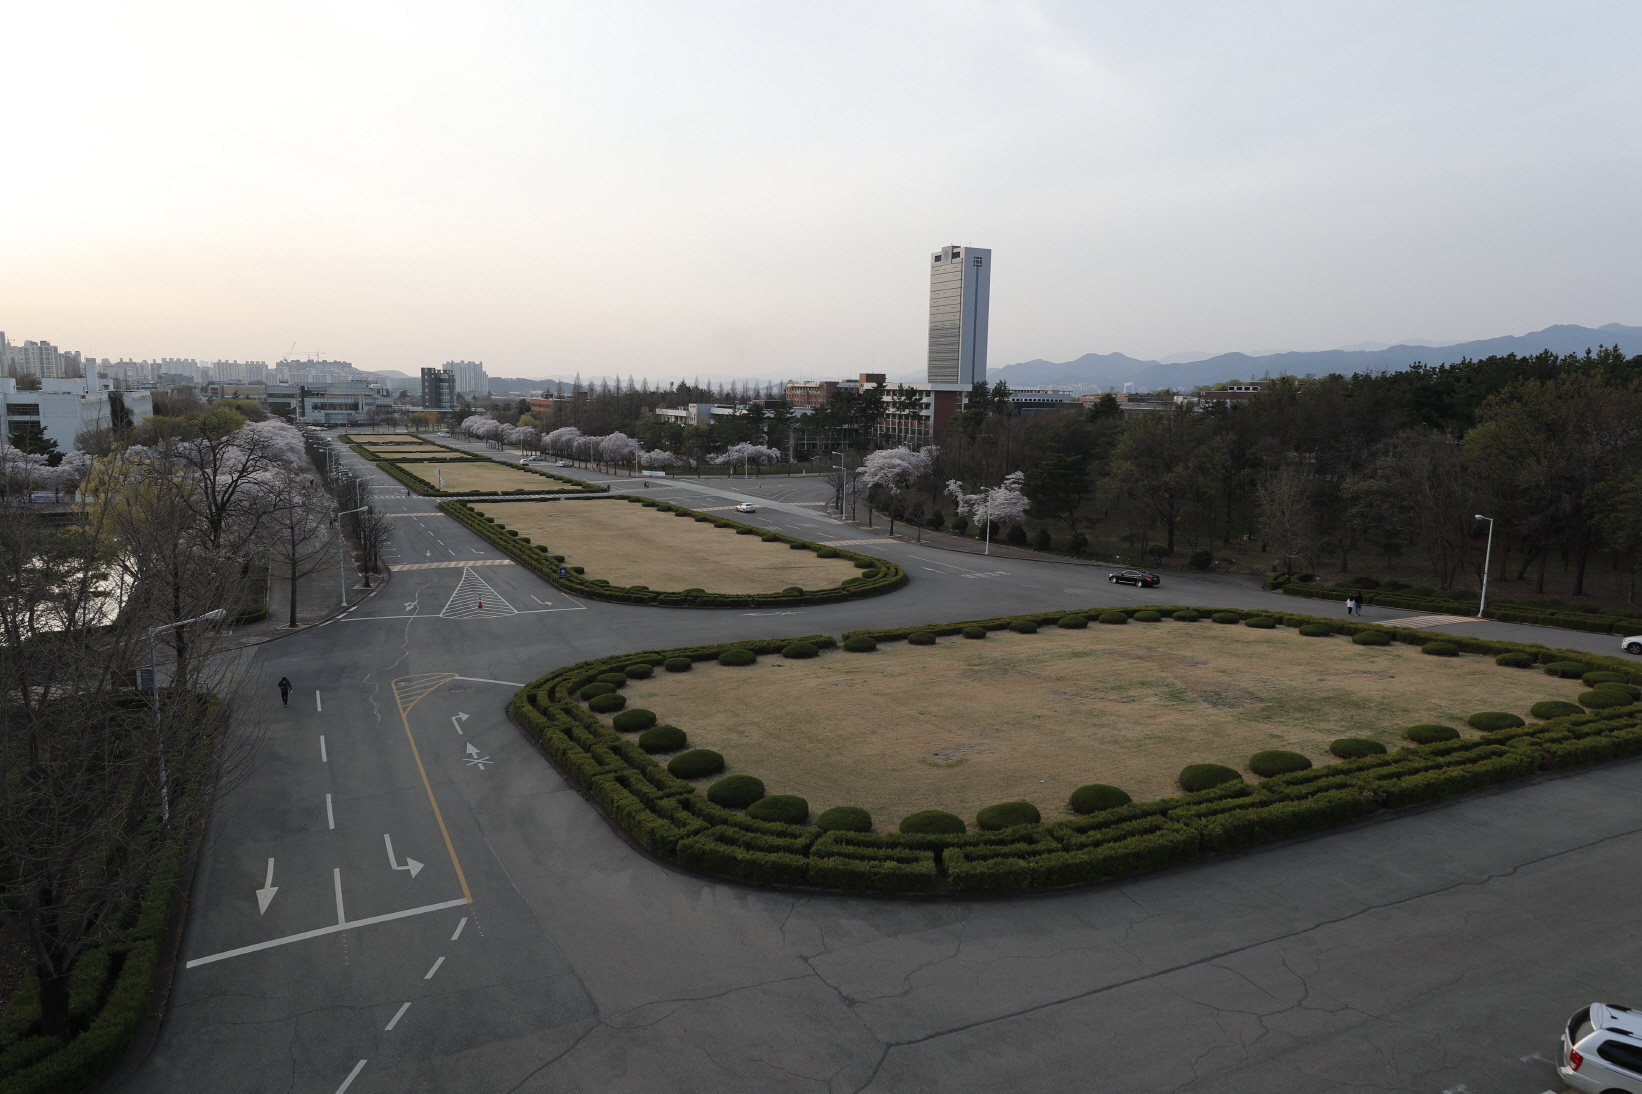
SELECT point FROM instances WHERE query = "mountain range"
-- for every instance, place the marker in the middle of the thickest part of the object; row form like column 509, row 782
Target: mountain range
column 1113, row 370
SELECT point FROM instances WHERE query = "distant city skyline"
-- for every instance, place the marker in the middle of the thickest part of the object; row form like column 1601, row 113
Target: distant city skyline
column 742, row 191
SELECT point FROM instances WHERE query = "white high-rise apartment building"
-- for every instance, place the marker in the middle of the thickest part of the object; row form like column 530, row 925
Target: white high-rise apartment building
column 960, row 292
column 470, row 377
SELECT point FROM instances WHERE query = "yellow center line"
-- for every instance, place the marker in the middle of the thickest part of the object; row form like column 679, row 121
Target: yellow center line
column 404, row 717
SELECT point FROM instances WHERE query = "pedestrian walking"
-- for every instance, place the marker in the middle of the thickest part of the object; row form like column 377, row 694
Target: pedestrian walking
column 284, row 691
column 1351, row 603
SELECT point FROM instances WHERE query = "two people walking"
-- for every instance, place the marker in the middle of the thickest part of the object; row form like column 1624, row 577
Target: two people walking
column 1354, row 605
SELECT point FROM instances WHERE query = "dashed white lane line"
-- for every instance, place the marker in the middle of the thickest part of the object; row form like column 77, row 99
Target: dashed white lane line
column 435, row 969
column 459, row 927
column 398, row 1014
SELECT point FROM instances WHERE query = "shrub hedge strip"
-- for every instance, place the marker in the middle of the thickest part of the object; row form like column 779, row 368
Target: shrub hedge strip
column 887, row 575
column 672, row 819
column 1574, row 621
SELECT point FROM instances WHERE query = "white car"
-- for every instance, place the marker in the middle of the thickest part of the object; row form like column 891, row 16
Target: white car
column 746, row 507
column 444, row 434
column 1602, row 1050
column 1633, row 644
column 564, row 463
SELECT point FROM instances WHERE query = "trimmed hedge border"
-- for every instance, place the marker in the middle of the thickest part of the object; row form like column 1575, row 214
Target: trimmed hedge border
column 1589, row 622
column 887, row 576
column 672, row 819
column 427, row 489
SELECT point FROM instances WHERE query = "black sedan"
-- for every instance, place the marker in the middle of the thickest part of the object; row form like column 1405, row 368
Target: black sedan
column 1143, row 579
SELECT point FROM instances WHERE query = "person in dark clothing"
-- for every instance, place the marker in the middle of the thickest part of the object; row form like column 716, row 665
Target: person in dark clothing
column 284, row 691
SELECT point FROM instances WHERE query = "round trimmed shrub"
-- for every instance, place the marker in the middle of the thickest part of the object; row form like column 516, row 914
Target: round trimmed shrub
column 1260, row 622
column 1226, row 617
column 860, row 644
column 868, row 575
column 1431, row 734
column 785, row 808
column 1317, row 630
column 1515, row 660
column 1023, row 626
column 1113, row 618
column 1007, row 815
column 1353, row 748
column 662, row 739
column 1186, row 615
column 1097, row 796
column 1148, row 617
column 617, row 679
column 1568, row 670
column 1277, row 761
column 696, row 763
column 799, row 546
column 921, row 638
column 793, row 590
column 864, row 564
column 770, row 538
column 1371, row 638
column 632, row 721
column 693, row 592
column 800, row 651
column 594, row 690
column 1605, row 699
column 606, row 704
column 1554, row 708
column 678, row 664
column 973, row 632
column 1440, row 649
column 1195, row 777
column 844, row 818
column 827, row 552
column 737, row 792
column 640, row 671
column 933, row 822
column 746, row 531
column 1490, row 720
column 1073, row 622
column 1592, row 679
column 737, row 657
column 1629, row 689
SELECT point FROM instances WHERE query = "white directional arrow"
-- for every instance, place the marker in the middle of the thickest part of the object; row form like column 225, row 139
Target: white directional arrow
column 410, row 864
column 457, row 719
column 472, row 750
column 265, row 895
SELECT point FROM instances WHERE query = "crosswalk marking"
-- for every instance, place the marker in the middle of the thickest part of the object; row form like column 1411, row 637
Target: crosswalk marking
column 1426, row 621
column 856, row 542
column 450, row 565
column 475, row 597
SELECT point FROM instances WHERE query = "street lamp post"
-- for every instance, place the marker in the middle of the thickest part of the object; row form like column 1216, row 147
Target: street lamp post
column 1487, row 562
column 341, row 548
column 154, row 683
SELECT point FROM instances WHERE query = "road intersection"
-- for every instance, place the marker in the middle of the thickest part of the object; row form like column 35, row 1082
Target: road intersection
column 531, row 948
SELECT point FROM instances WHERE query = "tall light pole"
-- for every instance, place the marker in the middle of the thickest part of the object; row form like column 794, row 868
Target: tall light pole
column 341, row 546
column 1487, row 562
column 154, row 682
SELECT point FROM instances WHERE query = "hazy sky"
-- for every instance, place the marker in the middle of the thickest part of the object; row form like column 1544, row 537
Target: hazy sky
column 751, row 189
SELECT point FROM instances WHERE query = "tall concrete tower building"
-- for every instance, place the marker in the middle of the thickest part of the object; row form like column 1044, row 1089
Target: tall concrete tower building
column 960, row 290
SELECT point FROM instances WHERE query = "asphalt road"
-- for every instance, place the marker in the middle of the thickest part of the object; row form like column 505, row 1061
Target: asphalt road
column 529, row 948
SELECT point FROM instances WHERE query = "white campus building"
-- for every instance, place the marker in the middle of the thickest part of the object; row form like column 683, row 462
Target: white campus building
column 65, row 407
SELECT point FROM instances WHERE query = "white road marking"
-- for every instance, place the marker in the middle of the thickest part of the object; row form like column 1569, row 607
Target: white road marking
column 435, row 969
column 482, row 680
column 265, row 895
column 457, row 719
column 473, row 596
column 352, row 1075
column 341, row 916
column 527, row 611
column 323, row 758
column 317, row 704
column 459, row 927
column 330, row 815
column 410, row 864
column 305, row 935
column 398, row 1014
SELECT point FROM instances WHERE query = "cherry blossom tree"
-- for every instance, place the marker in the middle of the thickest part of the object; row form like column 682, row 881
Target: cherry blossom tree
column 746, row 454
column 1003, row 504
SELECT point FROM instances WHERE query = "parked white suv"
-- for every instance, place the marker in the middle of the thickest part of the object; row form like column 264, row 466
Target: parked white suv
column 1602, row 1050
column 1633, row 644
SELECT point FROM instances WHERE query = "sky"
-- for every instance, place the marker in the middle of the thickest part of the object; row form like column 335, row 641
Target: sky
column 731, row 189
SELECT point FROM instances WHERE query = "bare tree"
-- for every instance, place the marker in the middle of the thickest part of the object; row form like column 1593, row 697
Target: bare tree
column 301, row 532
column 1284, row 498
column 98, row 783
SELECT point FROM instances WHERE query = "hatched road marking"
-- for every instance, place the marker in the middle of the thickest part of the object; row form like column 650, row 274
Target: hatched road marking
column 475, row 597
column 1426, row 621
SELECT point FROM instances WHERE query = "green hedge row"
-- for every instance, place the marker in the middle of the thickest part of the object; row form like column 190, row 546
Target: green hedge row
column 668, row 816
column 887, row 575
column 1573, row 621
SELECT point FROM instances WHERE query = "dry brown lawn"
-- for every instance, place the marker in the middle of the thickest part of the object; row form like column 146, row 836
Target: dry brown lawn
column 965, row 724
column 630, row 544
column 386, row 452
column 485, row 476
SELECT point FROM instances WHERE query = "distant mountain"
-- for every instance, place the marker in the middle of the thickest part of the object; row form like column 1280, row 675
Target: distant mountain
column 1113, row 370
